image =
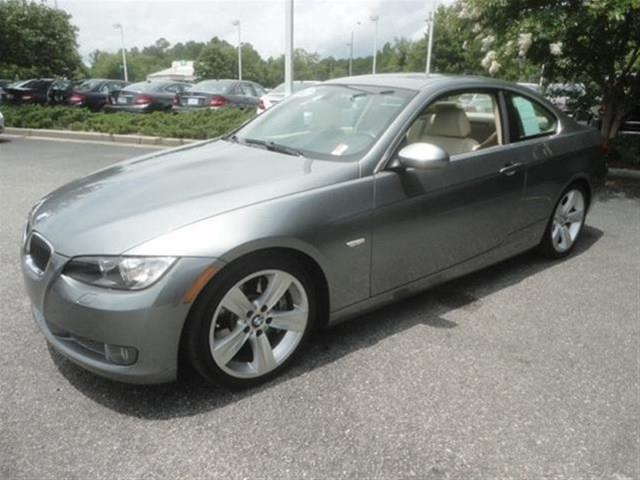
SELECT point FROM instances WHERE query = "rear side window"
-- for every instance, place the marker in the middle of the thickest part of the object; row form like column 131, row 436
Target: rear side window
column 529, row 119
column 247, row 90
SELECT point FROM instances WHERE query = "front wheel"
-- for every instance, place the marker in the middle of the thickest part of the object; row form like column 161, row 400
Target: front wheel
column 251, row 321
column 565, row 226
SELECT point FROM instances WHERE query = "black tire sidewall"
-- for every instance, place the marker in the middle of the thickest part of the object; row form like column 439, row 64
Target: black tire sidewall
column 201, row 315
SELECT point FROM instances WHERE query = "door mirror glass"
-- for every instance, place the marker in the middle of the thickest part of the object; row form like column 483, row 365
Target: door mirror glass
column 423, row 156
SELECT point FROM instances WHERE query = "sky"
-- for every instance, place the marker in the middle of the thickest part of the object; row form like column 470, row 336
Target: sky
column 322, row 26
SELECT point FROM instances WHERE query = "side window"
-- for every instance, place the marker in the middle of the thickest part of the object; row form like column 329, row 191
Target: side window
column 459, row 123
column 247, row 90
column 106, row 88
column 529, row 119
column 173, row 88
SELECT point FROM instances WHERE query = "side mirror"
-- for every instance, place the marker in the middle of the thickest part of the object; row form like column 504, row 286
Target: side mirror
column 423, row 156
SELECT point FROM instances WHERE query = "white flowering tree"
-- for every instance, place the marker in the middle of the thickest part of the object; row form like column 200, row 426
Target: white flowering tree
column 593, row 42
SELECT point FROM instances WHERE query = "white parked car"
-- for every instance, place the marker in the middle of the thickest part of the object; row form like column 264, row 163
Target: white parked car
column 277, row 94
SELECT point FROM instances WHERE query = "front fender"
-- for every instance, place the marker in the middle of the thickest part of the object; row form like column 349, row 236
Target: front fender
column 321, row 223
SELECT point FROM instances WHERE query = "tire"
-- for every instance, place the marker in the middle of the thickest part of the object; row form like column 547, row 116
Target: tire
column 231, row 340
column 565, row 225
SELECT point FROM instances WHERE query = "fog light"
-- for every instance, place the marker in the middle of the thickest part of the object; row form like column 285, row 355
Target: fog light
column 120, row 355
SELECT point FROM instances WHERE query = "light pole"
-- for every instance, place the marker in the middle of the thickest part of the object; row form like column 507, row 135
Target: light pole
column 431, row 20
column 236, row 23
column 350, row 45
column 288, row 48
column 374, row 19
column 124, row 54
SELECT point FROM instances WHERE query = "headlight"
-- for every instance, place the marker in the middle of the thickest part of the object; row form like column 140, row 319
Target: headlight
column 125, row 273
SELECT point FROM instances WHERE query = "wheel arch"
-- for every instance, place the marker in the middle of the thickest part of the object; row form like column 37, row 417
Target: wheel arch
column 311, row 264
column 582, row 181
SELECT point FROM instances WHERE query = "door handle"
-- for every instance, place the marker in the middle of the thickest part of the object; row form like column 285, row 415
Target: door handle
column 510, row 169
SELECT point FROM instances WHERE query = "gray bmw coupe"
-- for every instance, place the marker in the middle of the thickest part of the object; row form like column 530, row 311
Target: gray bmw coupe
column 346, row 196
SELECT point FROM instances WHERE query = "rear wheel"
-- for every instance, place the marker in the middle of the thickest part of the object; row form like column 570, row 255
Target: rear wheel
column 251, row 321
column 565, row 226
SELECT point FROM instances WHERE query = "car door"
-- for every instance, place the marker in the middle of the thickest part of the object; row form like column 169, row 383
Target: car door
column 162, row 96
column 534, row 143
column 428, row 220
column 248, row 96
column 234, row 95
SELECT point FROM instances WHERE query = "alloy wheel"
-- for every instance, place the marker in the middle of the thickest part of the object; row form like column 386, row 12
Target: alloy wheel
column 258, row 323
column 567, row 220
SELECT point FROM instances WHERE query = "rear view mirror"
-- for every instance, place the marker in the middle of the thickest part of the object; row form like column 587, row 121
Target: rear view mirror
column 423, row 156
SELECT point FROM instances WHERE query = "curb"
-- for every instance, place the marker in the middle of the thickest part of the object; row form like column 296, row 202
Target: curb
column 99, row 137
column 623, row 173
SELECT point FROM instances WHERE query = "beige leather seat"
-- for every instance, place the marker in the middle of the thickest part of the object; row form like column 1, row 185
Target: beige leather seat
column 449, row 129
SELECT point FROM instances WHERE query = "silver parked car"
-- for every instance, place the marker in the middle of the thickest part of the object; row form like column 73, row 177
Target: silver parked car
column 349, row 195
column 276, row 95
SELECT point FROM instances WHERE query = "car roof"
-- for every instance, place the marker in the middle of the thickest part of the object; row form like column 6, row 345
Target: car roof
column 418, row 81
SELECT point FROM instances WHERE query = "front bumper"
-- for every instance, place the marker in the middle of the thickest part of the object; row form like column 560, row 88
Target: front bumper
column 185, row 109
column 146, row 108
column 83, row 322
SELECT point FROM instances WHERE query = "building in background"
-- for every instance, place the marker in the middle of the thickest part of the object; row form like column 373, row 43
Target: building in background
column 180, row 70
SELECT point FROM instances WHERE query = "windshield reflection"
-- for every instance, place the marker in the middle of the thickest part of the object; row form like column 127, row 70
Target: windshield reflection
column 332, row 122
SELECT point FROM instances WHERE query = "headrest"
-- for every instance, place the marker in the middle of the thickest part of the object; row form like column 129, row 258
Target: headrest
column 450, row 121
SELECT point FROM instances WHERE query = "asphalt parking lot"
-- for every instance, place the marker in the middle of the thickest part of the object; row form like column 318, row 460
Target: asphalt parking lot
column 528, row 369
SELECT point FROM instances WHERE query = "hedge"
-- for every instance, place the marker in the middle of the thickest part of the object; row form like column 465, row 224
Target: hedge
column 626, row 149
column 199, row 124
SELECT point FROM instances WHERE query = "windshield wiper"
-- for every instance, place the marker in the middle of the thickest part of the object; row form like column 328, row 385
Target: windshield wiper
column 274, row 147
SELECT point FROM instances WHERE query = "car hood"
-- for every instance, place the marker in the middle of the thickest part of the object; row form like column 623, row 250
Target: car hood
column 122, row 206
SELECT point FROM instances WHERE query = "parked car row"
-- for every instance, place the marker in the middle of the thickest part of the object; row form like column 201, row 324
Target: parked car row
column 115, row 95
column 42, row 91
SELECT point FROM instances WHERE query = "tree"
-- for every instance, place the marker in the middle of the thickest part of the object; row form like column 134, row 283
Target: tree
column 593, row 42
column 455, row 48
column 36, row 40
column 217, row 60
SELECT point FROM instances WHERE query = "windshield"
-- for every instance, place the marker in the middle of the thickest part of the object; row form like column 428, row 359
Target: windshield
column 33, row 84
column 146, row 87
column 211, row 86
column 332, row 122
column 89, row 85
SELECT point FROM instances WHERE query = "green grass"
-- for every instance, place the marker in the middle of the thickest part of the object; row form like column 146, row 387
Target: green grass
column 199, row 125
